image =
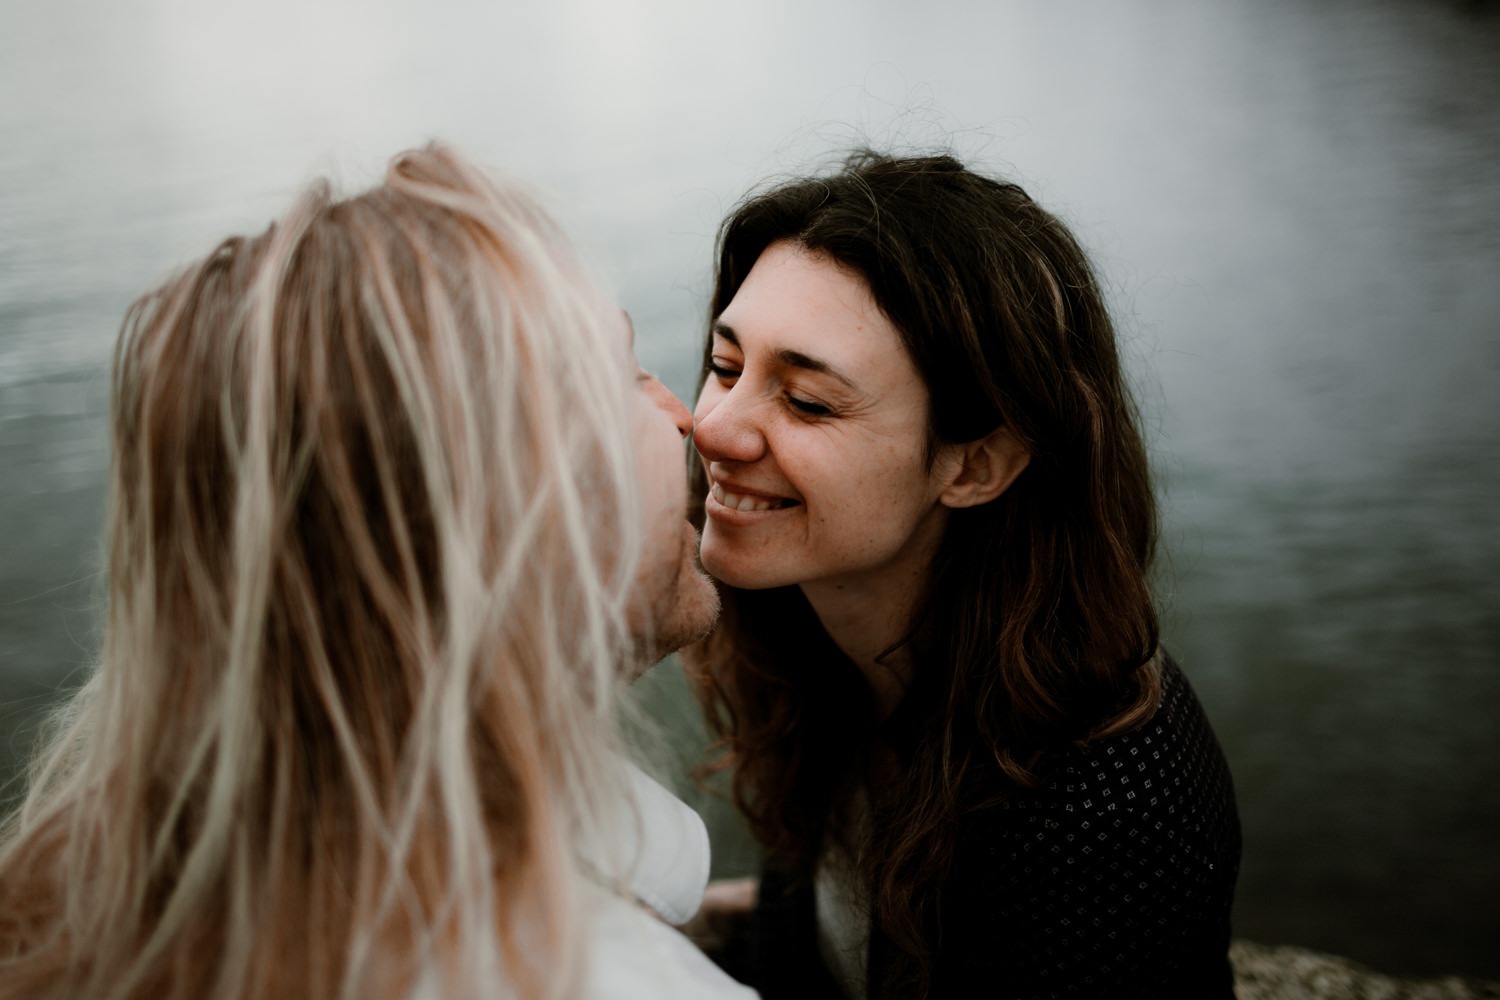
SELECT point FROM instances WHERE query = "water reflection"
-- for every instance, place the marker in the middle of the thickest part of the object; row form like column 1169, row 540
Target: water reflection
column 1296, row 209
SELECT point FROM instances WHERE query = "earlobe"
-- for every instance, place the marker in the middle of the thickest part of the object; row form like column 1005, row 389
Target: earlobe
column 985, row 469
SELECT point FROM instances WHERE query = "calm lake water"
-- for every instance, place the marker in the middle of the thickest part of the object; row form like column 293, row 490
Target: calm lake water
column 1296, row 206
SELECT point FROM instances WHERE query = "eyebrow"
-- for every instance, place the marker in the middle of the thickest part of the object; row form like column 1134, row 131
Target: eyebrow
column 789, row 358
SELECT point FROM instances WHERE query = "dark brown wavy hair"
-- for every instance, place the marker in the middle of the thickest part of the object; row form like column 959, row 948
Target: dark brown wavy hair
column 1038, row 630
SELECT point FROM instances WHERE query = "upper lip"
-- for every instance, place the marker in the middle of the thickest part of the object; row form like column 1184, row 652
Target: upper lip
column 739, row 489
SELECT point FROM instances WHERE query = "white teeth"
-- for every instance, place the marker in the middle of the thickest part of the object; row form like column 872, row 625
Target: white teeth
column 742, row 502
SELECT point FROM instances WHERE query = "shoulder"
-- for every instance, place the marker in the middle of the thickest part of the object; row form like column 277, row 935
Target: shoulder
column 634, row 956
column 1146, row 817
column 1168, row 771
column 627, row 954
column 1119, row 868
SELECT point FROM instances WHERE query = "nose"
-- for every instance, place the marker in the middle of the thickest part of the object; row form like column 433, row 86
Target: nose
column 724, row 428
column 666, row 401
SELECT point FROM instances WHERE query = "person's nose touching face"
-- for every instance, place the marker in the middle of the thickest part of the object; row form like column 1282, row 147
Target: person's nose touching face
column 674, row 602
column 725, row 428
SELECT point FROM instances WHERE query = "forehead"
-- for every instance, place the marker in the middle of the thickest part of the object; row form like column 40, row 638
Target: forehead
column 800, row 300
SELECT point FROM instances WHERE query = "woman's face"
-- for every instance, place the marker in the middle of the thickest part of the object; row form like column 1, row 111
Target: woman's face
column 813, row 428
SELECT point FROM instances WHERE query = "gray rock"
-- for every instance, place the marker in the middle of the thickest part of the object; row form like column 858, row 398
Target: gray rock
column 1283, row 972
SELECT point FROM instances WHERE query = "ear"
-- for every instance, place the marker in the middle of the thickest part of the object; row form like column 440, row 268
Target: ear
column 983, row 469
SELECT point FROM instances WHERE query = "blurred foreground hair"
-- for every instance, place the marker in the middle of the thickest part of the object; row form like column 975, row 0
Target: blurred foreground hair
column 372, row 524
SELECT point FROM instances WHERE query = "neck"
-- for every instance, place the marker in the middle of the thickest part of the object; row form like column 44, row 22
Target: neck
column 867, row 615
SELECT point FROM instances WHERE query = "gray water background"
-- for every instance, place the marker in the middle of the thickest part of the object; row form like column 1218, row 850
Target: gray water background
column 1296, row 207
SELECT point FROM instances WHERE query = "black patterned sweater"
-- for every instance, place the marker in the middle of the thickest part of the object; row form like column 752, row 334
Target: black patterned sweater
column 1113, row 880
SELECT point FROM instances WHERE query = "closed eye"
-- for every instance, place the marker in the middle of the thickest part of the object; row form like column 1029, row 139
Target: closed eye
column 727, row 373
column 721, row 371
column 808, row 407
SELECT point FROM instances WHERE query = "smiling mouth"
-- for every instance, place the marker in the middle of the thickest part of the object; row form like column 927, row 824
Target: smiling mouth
column 744, row 502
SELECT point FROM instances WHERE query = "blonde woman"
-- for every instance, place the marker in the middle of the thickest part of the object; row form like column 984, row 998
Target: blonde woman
column 393, row 516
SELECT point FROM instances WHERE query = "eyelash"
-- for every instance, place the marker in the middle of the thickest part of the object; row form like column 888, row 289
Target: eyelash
column 805, row 407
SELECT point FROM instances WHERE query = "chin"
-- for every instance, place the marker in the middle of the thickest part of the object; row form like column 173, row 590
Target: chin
column 698, row 608
column 686, row 616
column 740, row 577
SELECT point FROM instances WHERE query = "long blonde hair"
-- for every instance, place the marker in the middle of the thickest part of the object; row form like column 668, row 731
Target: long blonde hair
column 372, row 526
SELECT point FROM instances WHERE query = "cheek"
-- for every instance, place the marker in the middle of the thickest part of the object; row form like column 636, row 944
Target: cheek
column 663, row 486
column 866, row 503
column 884, row 475
column 708, row 397
column 660, row 471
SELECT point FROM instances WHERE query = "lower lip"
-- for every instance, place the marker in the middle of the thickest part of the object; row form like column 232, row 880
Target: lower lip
column 731, row 515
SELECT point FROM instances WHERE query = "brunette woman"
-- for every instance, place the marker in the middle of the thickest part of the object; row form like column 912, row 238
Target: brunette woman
column 939, row 676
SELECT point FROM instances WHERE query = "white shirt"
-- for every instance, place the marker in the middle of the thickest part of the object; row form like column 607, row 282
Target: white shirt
column 672, row 853
column 842, row 909
column 632, row 954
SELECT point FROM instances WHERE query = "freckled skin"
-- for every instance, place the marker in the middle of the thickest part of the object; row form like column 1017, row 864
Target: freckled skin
column 867, row 519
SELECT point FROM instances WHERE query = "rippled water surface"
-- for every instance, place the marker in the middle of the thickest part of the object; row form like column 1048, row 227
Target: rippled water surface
column 1296, row 207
